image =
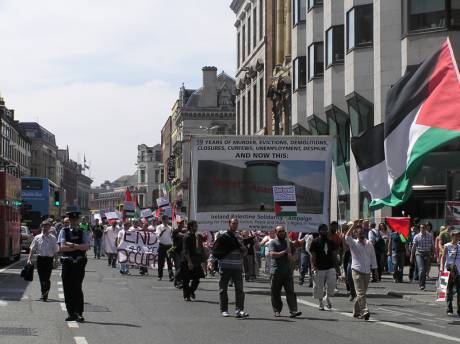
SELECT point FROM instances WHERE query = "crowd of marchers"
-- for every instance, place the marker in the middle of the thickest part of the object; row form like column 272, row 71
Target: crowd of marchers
column 356, row 253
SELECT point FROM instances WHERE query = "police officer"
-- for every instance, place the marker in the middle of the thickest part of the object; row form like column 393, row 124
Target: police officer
column 73, row 242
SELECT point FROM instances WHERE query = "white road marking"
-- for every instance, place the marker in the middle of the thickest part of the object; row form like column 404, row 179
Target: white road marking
column 3, row 303
column 72, row 324
column 80, row 340
column 60, row 289
column 63, row 307
column 390, row 324
column 61, row 295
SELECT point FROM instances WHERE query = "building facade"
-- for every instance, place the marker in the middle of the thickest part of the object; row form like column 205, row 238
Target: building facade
column 355, row 51
column 207, row 110
column 43, row 150
column 251, row 77
column 15, row 147
column 150, row 174
column 83, row 191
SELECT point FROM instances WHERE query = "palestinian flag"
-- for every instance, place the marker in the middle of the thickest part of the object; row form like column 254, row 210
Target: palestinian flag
column 285, row 209
column 399, row 225
column 422, row 114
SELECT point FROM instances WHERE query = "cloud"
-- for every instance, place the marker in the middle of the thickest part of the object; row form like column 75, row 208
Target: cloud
column 103, row 75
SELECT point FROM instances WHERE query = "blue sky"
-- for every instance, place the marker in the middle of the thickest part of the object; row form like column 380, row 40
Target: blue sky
column 103, row 75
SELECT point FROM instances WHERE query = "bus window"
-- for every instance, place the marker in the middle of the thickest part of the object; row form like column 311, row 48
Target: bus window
column 32, row 184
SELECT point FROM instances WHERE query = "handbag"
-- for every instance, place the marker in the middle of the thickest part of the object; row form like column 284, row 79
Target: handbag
column 27, row 272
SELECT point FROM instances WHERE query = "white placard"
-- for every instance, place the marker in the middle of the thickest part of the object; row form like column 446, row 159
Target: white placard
column 146, row 213
column 284, row 193
column 162, row 202
column 138, row 248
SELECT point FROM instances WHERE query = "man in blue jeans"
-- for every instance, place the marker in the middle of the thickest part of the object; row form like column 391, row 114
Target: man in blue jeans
column 397, row 252
column 422, row 251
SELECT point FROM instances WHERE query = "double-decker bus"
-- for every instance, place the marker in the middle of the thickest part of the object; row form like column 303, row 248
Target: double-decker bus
column 38, row 201
column 10, row 219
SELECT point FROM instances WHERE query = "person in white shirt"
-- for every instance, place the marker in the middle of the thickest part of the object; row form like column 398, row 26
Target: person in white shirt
column 124, row 267
column 164, row 232
column 108, row 239
column 45, row 245
column 363, row 262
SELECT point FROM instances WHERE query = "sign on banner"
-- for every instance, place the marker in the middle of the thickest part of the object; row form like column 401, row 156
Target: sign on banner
column 234, row 176
column 112, row 216
column 129, row 206
column 138, row 248
column 162, row 202
column 441, row 291
column 285, row 201
column 146, row 213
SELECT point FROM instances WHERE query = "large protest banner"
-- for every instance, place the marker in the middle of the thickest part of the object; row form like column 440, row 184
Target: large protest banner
column 138, row 248
column 233, row 176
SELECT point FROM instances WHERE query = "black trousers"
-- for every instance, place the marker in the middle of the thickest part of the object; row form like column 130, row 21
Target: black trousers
column 236, row 275
column 44, row 268
column 177, row 268
column 72, row 280
column 286, row 281
column 190, row 280
column 162, row 256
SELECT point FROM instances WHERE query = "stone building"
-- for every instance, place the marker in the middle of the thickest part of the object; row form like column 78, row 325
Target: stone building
column 150, row 174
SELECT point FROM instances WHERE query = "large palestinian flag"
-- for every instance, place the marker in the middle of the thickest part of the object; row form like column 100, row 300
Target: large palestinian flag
column 422, row 114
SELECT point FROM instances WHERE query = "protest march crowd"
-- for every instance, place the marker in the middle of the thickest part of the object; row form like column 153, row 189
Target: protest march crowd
column 356, row 253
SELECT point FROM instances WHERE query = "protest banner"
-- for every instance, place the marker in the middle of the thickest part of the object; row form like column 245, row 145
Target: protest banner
column 146, row 213
column 138, row 248
column 441, row 290
column 162, row 202
column 234, row 176
column 285, row 201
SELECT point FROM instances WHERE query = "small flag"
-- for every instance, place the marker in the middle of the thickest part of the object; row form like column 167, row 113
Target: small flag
column 286, row 209
column 399, row 225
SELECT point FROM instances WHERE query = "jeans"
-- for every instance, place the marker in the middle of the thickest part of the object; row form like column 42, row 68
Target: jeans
column 97, row 247
column 423, row 261
column 112, row 259
column 286, row 281
column 361, row 282
column 453, row 283
column 162, row 256
column 44, row 267
column 237, row 277
column 414, row 271
column 398, row 260
column 72, row 281
column 304, row 265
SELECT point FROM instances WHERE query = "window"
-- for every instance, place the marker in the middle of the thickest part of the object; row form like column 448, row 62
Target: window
column 315, row 60
column 299, row 12
column 157, row 176
column 243, row 45
column 314, row 3
column 299, row 73
column 255, row 113
column 249, row 113
column 426, row 14
column 238, row 111
column 249, row 35
column 261, row 19
column 243, row 116
column 261, row 103
column 361, row 113
column 334, row 45
column 254, row 27
column 360, row 27
column 454, row 13
column 238, row 50
column 142, row 176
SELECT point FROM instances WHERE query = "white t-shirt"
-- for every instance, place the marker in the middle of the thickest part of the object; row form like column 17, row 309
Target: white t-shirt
column 110, row 235
column 165, row 238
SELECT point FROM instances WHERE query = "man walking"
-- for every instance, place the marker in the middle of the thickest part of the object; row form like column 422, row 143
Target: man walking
column 363, row 262
column 110, row 248
column 422, row 250
column 229, row 251
column 45, row 245
column 281, row 273
column 323, row 262
column 74, row 243
column 164, row 232
column 98, row 231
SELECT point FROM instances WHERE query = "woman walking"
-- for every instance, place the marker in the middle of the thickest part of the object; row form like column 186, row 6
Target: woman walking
column 191, row 265
column 450, row 261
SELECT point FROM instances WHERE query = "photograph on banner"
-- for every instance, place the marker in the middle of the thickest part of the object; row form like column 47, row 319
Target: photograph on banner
column 234, row 177
column 138, row 248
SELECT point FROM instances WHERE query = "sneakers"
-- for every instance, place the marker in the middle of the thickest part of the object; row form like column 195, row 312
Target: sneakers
column 80, row 318
column 187, row 299
column 225, row 314
column 295, row 314
column 422, row 287
column 321, row 306
column 71, row 318
column 328, row 303
column 241, row 314
column 193, row 296
column 277, row 314
column 160, row 278
column 450, row 313
column 366, row 316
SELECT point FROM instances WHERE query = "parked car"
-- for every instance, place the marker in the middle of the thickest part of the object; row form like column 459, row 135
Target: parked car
column 26, row 238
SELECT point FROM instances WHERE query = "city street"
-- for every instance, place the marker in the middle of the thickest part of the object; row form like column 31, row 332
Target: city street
column 137, row 309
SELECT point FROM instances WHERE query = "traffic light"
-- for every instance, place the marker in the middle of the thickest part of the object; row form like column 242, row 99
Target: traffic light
column 57, row 199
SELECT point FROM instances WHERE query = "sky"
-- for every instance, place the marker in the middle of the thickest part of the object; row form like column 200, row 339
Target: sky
column 102, row 75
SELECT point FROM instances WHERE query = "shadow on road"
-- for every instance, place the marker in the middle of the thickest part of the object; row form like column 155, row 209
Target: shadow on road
column 270, row 319
column 112, row 324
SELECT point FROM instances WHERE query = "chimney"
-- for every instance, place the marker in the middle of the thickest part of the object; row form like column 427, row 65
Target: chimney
column 209, row 92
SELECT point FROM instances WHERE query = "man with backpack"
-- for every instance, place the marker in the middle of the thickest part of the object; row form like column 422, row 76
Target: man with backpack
column 229, row 250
